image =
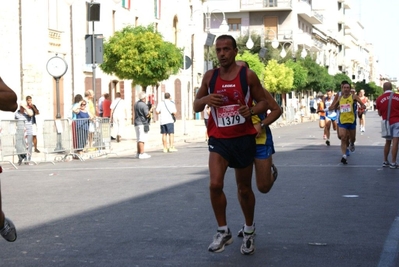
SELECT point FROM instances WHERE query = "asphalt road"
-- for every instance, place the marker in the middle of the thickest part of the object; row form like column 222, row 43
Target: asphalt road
column 121, row 211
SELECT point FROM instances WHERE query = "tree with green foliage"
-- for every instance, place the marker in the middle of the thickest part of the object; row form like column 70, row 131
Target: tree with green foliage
column 300, row 74
column 140, row 54
column 254, row 63
column 318, row 78
column 278, row 77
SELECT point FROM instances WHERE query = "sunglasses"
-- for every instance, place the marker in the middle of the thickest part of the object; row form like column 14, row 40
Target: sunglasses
column 82, row 105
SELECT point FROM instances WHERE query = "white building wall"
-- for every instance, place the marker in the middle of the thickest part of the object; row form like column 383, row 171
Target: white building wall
column 9, row 49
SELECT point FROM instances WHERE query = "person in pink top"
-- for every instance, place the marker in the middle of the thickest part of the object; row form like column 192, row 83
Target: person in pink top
column 382, row 106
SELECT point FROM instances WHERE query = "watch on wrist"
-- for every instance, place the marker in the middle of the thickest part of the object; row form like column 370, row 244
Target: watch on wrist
column 262, row 125
column 252, row 111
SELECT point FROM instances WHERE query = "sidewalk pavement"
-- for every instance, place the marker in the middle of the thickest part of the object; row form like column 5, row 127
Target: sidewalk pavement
column 186, row 131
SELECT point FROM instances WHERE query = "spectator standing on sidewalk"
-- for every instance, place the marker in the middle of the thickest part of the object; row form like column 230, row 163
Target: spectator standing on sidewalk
column 84, row 117
column 141, row 115
column 89, row 96
column 382, row 106
column 35, row 111
column 24, row 133
column 106, row 106
column 99, row 107
column 8, row 102
column 75, row 106
column 167, row 111
column 118, row 116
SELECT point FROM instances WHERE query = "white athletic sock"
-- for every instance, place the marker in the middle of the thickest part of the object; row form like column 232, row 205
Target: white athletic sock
column 248, row 229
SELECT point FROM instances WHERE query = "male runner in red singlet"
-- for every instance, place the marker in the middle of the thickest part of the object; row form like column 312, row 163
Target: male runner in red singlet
column 8, row 102
column 231, row 137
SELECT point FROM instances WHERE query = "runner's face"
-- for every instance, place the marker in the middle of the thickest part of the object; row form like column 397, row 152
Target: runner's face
column 225, row 52
column 346, row 89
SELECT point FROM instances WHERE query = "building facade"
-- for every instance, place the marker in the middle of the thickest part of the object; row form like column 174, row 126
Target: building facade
column 61, row 27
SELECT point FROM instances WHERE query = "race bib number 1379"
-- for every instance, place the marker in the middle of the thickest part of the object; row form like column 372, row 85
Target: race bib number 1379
column 228, row 116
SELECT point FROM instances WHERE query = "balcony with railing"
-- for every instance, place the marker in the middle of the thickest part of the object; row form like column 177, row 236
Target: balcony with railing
column 304, row 9
column 265, row 5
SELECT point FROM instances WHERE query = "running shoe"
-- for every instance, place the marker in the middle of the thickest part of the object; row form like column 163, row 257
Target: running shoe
column 144, row 156
column 9, row 232
column 165, row 150
column 393, row 165
column 352, row 147
column 220, row 239
column 241, row 231
column 385, row 164
column 328, row 142
column 343, row 160
column 248, row 244
column 347, row 152
column 172, row 149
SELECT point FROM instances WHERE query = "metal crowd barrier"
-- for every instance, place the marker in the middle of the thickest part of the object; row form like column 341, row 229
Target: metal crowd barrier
column 102, row 140
column 56, row 139
column 90, row 138
column 14, row 142
column 80, row 138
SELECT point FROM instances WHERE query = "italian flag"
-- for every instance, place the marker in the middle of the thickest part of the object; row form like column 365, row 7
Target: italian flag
column 126, row 4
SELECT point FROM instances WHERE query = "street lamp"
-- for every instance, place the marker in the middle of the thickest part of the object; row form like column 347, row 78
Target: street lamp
column 224, row 27
column 275, row 42
column 283, row 53
column 69, row 2
column 250, row 43
column 57, row 67
column 303, row 53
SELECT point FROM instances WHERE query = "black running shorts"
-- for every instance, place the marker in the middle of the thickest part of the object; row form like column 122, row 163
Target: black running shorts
column 238, row 151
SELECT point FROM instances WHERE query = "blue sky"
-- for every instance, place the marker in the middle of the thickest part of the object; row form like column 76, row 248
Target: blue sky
column 380, row 23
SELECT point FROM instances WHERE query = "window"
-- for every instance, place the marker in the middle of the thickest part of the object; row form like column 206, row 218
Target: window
column 270, row 3
column 234, row 24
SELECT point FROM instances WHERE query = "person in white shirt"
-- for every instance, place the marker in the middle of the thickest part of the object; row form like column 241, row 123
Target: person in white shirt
column 118, row 116
column 167, row 109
